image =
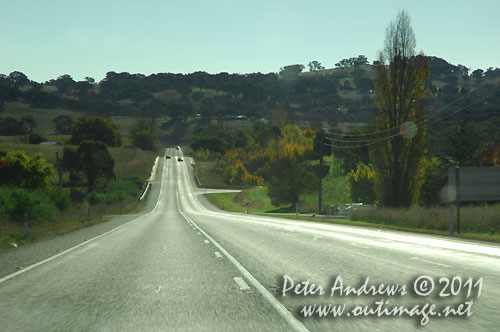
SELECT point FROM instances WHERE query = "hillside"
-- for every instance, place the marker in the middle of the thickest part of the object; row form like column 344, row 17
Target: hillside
column 342, row 98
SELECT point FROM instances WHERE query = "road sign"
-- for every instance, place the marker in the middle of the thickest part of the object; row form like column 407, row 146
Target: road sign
column 474, row 184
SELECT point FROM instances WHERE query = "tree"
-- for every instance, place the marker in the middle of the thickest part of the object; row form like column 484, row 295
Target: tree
column 478, row 74
column 29, row 120
column 289, row 74
column 462, row 145
column 10, row 127
column 19, row 170
column 490, row 155
column 399, row 156
column 144, row 134
column 362, row 184
column 96, row 128
column 95, row 162
column 35, row 138
column 63, row 124
column 315, row 66
column 291, row 174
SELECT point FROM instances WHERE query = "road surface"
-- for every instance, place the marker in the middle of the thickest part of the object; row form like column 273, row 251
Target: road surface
column 183, row 265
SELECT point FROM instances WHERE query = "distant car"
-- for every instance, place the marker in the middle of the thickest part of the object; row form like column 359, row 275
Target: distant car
column 168, row 157
column 178, row 147
column 180, row 159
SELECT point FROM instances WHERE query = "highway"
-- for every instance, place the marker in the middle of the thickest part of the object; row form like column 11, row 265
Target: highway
column 184, row 265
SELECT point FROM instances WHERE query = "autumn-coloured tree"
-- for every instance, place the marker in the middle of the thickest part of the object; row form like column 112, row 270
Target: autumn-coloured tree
column 490, row 155
column 290, row 172
column 362, row 184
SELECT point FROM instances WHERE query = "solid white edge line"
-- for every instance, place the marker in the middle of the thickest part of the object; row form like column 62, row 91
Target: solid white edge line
column 12, row 275
column 294, row 323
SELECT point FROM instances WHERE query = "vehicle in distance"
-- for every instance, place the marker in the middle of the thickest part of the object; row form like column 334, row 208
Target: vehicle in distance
column 180, row 159
column 168, row 157
column 177, row 147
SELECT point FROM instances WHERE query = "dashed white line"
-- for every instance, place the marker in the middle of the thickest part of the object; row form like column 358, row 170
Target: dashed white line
column 430, row 262
column 217, row 254
column 206, row 241
column 294, row 323
column 158, row 290
column 241, row 284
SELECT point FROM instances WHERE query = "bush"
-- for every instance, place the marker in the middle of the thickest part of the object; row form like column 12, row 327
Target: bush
column 362, row 184
column 35, row 138
column 60, row 197
column 15, row 202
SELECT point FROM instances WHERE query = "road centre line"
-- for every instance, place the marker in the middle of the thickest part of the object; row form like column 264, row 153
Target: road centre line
column 294, row 323
column 241, row 284
column 217, row 254
column 206, row 241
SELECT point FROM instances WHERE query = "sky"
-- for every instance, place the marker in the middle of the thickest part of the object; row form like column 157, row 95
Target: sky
column 45, row 39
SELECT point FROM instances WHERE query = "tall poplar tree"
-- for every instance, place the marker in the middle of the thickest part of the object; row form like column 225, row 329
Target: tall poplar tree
column 399, row 156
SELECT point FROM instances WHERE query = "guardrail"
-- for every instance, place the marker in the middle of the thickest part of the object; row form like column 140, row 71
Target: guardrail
column 151, row 178
column 345, row 209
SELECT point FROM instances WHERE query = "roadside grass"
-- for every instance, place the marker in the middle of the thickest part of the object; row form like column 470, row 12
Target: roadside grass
column 232, row 203
column 68, row 221
column 473, row 219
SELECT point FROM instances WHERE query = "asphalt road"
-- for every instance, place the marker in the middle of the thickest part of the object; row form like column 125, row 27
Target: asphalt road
column 183, row 265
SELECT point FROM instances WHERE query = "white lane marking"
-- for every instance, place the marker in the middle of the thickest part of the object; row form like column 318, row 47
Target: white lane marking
column 217, row 254
column 199, row 233
column 430, row 262
column 317, row 237
column 206, row 241
column 12, row 275
column 294, row 323
column 158, row 290
column 165, row 248
column 241, row 284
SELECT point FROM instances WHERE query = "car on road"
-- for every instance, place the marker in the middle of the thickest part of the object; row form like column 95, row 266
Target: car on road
column 180, row 159
column 168, row 157
column 177, row 147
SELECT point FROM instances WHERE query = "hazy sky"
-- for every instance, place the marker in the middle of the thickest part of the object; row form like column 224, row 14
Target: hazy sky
column 48, row 38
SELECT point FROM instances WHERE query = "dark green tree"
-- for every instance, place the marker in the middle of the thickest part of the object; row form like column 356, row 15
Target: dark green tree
column 399, row 156
column 95, row 162
column 35, row 138
column 315, row 66
column 63, row 124
column 462, row 145
column 144, row 134
column 29, row 120
column 96, row 128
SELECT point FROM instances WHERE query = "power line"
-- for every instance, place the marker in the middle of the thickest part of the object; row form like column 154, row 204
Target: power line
column 428, row 115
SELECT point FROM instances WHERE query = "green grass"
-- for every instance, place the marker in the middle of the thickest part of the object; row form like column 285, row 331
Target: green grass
column 477, row 222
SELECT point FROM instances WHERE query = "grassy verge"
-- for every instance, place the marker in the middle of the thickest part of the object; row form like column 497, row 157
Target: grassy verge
column 233, row 202
column 72, row 220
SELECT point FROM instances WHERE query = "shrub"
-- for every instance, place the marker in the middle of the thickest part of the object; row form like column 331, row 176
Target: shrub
column 362, row 184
